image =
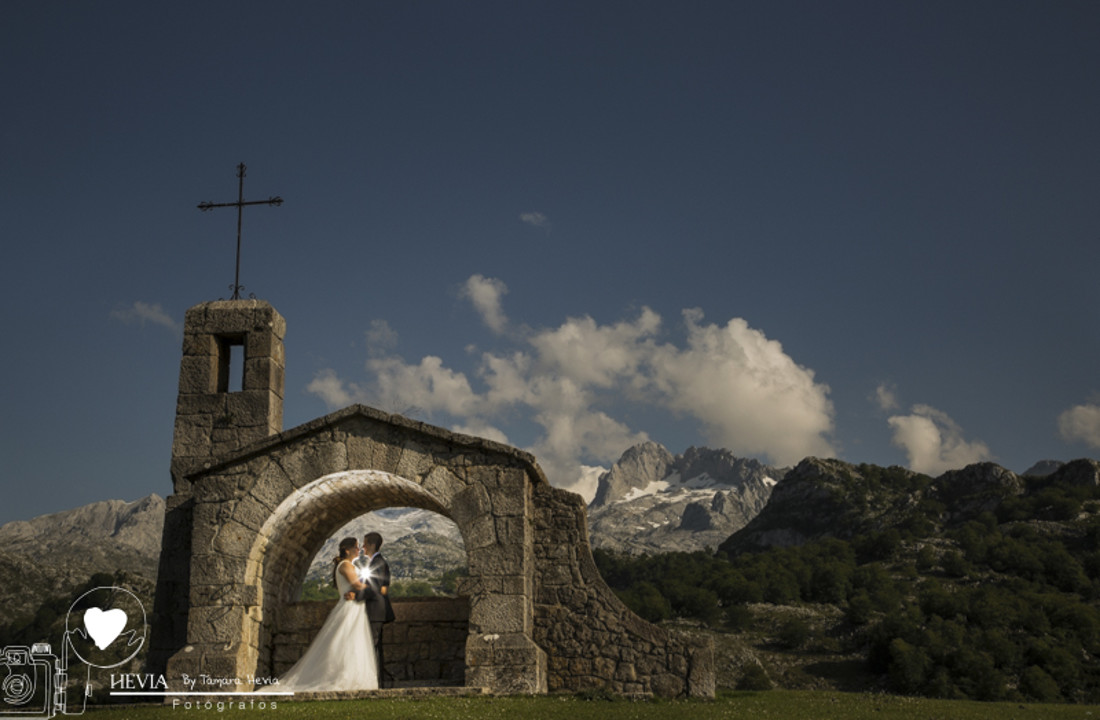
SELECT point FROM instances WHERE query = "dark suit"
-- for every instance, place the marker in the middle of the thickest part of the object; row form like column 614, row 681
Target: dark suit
column 378, row 606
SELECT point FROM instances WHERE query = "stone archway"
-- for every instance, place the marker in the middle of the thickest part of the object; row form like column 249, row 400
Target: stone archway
column 290, row 539
column 252, row 505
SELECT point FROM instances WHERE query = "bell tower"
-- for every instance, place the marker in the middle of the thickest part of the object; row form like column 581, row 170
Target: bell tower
column 230, row 395
column 231, row 382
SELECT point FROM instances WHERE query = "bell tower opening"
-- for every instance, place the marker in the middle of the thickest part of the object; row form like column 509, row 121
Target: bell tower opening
column 231, row 363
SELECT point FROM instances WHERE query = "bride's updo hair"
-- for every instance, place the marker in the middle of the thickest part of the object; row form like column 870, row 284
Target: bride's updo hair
column 346, row 544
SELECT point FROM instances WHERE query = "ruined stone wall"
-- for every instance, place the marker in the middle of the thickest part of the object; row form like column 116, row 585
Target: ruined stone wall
column 591, row 639
column 424, row 645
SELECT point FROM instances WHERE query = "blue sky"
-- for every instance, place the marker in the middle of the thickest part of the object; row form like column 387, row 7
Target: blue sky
column 859, row 229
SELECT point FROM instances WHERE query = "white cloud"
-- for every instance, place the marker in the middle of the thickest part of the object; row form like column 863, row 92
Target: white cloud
column 381, row 338
column 886, row 397
column 482, row 430
column 572, row 380
column 1081, row 423
column 751, row 397
column 934, row 442
column 536, row 219
column 427, row 386
column 335, row 392
column 485, row 294
column 594, row 355
column 143, row 313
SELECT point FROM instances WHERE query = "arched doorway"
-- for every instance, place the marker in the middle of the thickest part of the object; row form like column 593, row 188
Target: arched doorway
column 424, row 646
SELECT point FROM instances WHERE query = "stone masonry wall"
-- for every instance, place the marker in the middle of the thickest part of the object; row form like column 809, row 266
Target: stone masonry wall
column 592, row 640
column 425, row 645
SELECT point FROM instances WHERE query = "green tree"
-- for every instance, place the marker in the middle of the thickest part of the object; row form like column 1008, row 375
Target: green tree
column 909, row 666
column 647, row 601
column 1036, row 684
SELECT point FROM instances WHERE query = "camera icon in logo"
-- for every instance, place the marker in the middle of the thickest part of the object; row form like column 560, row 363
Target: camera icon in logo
column 32, row 682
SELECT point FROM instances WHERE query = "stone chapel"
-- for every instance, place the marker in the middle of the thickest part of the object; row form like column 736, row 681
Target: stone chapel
column 252, row 504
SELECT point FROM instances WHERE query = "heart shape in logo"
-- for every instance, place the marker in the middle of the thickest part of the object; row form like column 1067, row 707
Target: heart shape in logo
column 104, row 626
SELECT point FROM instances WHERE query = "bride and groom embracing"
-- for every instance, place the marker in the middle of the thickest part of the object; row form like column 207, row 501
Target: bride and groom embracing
column 347, row 652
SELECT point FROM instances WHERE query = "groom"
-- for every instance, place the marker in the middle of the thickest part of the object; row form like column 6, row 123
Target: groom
column 375, row 572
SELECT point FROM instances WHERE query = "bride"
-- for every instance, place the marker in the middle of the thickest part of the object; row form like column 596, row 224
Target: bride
column 341, row 657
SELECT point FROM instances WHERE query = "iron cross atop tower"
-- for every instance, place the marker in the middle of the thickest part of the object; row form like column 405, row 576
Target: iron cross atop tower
column 204, row 206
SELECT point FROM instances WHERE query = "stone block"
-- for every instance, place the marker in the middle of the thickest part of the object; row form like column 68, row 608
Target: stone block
column 198, row 374
column 218, row 625
column 511, row 530
column 192, row 435
column 480, row 532
column 511, row 497
column 667, row 685
column 470, row 505
column 263, row 373
column 185, row 662
column 360, row 451
column 272, row 485
column 415, row 461
column 248, row 407
column 199, row 344
column 314, row 459
column 498, row 614
column 233, row 540
column 251, row 513
column 625, row 673
column 443, row 485
column 224, row 594
column 224, row 666
column 495, row 559
column 207, row 569
column 266, row 344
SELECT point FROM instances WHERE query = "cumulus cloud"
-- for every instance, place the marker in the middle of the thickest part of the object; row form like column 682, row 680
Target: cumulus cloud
column 335, row 392
column 572, row 382
column 381, row 338
column 427, row 385
column 485, row 294
column 1081, row 423
column 934, row 442
column 536, row 219
column 886, row 397
column 144, row 313
column 750, row 396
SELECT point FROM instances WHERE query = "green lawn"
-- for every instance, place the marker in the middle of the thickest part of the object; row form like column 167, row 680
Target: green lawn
column 778, row 704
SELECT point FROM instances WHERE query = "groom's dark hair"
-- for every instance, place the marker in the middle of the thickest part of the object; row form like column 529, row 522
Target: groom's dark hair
column 374, row 540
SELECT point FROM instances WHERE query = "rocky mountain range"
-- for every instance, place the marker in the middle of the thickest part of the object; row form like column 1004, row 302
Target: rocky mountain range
column 830, row 498
column 652, row 501
column 52, row 554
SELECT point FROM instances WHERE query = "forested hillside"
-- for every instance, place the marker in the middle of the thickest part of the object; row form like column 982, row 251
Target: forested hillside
column 987, row 588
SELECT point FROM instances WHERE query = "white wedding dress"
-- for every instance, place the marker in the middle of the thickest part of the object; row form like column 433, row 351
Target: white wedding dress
column 341, row 657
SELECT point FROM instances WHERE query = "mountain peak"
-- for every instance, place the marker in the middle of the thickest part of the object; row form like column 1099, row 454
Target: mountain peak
column 639, row 467
column 650, row 501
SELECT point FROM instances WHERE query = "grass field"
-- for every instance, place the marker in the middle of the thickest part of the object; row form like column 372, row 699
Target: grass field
column 778, row 704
